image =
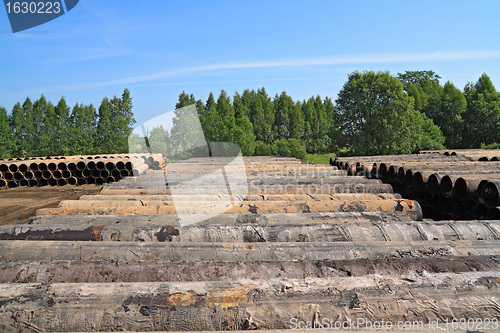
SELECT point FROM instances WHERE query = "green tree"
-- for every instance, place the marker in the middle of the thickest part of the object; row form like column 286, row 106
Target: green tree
column 424, row 87
column 115, row 124
column 262, row 116
column 104, row 133
column 46, row 131
column 83, row 130
column 425, row 133
column 226, row 120
column 7, row 143
column 334, row 127
column 209, row 119
column 482, row 117
column 288, row 119
column 446, row 111
column 243, row 133
column 62, row 128
column 29, row 129
column 376, row 114
column 321, row 139
column 17, row 124
column 123, row 119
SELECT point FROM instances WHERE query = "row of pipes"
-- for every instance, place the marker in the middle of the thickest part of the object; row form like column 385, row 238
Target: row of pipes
column 76, row 170
column 481, row 155
column 447, row 187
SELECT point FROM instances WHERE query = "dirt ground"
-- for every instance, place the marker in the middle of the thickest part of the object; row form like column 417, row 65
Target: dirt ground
column 20, row 203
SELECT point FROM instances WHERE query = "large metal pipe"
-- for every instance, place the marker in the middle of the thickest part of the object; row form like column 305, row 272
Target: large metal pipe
column 76, row 207
column 12, row 184
column 251, row 197
column 251, row 233
column 448, row 181
column 168, row 271
column 217, row 252
column 491, row 193
column 243, row 304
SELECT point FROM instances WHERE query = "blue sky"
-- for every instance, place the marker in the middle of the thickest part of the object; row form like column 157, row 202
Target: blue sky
column 158, row 48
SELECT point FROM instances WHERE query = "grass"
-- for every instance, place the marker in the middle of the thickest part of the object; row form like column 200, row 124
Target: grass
column 318, row 158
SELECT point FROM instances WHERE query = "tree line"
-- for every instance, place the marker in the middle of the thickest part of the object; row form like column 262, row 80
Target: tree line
column 374, row 113
column 41, row 128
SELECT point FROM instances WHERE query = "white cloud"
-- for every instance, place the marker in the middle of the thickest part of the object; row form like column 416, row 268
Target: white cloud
column 363, row 59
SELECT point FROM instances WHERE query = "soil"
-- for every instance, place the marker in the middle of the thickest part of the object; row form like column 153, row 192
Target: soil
column 20, row 203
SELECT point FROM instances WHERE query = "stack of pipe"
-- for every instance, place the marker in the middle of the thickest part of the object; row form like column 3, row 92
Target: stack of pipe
column 482, row 155
column 446, row 186
column 75, row 170
column 275, row 260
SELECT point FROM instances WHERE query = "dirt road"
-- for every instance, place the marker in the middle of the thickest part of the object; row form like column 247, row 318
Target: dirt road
column 18, row 204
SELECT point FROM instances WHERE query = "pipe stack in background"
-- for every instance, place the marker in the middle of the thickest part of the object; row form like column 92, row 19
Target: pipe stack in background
column 447, row 184
column 75, row 170
column 482, row 155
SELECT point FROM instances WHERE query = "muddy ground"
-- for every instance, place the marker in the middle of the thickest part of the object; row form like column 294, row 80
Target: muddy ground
column 20, row 203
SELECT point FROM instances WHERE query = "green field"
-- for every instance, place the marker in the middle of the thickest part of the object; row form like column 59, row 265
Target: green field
column 318, row 158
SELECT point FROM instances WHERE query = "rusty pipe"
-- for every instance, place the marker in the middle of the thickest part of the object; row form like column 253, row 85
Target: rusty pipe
column 491, row 193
